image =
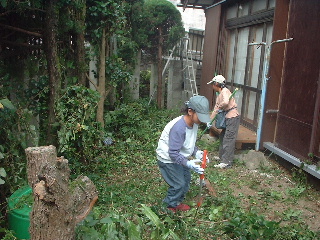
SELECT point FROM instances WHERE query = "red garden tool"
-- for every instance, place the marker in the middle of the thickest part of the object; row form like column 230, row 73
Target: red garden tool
column 203, row 182
column 203, row 165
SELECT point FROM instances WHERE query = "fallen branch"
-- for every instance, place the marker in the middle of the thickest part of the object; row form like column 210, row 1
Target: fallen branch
column 21, row 30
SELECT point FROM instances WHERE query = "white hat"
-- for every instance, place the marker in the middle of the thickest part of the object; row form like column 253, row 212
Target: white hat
column 218, row 79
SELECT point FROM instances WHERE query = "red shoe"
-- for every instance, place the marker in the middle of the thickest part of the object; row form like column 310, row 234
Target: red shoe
column 172, row 209
column 182, row 207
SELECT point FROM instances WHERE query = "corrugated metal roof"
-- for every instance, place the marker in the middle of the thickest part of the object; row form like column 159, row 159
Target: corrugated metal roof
column 196, row 3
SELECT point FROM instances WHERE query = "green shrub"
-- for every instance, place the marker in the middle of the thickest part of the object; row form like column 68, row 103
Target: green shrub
column 136, row 120
column 80, row 136
column 16, row 134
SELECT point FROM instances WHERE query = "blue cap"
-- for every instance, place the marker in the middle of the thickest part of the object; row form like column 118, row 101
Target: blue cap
column 200, row 105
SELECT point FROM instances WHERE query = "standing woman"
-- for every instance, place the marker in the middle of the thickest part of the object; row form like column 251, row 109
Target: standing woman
column 177, row 152
column 228, row 135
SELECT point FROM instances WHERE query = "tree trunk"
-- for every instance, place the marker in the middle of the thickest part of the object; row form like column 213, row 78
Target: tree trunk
column 159, row 87
column 102, row 79
column 51, row 50
column 79, row 46
column 135, row 80
column 58, row 204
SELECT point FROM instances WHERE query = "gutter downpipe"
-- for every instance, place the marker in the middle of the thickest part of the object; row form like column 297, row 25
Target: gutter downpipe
column 216, row 4
column 264, row 86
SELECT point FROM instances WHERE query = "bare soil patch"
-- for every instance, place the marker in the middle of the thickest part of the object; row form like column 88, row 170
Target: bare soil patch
column 275, row 192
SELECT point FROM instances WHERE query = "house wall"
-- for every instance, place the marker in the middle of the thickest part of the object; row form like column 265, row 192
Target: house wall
column 175, row 86
column 275, row 67
column 298, row 96
column 210, row 49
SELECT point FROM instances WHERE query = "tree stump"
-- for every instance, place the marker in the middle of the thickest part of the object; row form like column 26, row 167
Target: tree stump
column 58, row 204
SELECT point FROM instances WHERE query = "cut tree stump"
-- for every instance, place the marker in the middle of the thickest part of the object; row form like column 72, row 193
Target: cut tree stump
column 58, row 203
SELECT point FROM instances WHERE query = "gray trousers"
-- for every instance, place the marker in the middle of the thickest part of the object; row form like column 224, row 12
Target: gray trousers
column 228, row 139
column 178, row 178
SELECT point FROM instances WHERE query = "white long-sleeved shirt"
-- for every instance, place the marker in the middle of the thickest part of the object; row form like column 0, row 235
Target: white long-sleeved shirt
column 177, row 142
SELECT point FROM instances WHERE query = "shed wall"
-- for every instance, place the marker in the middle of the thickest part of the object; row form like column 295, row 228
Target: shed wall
column 275, row 70
column 210, row 48
column 300, row 79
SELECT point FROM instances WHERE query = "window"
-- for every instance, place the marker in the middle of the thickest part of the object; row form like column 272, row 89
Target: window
column 259, row 5
column 244, row 64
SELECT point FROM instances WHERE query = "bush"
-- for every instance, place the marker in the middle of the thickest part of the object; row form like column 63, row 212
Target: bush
column 16, row 134
column 136, row 120
column 80, row 136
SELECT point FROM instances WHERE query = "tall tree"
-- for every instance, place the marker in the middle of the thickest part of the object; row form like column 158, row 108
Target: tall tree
column 29, row 31
column 104, row 18
column 160, row 26
column 51, row 49
column 80, row 16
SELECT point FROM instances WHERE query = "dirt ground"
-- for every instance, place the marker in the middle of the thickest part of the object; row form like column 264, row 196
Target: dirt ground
column 262, row 183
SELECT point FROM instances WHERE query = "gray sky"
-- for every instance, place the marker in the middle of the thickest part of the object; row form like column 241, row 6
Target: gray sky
column 192, row 18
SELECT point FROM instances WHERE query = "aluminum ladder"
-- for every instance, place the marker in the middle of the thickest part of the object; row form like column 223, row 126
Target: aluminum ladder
column 190, row 85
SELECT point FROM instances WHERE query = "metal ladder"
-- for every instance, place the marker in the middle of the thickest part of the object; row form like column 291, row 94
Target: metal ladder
column 190, row 85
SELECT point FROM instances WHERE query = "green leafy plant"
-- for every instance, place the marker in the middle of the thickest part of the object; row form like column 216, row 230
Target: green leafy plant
column 80, row 136
column 250, row 226
column 296, row 191
column 111, row 226
column 160, row 230
column 299, row 175
column 119, row 73
column 117, row 226
column 16, row 134
column 132, row 121
column 8, row 235
column 291, row 214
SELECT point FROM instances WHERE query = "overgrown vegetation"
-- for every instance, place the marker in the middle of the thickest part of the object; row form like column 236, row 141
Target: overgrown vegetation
column 79, row 134
column 131, row 190
column 119, row 155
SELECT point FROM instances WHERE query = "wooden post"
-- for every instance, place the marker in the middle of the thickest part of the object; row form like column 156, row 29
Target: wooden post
column 58, row 203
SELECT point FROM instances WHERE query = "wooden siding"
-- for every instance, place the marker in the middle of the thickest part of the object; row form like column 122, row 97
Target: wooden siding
column 294, row 71
column 275, row 71
column 210, row 49
column 300, row 81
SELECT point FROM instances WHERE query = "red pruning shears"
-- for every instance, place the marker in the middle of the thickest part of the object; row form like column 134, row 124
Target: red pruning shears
column 203, row 165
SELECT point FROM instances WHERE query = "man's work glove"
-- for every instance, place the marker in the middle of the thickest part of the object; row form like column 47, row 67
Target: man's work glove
column 199, row 155
column 209, row 125
column 192, row 164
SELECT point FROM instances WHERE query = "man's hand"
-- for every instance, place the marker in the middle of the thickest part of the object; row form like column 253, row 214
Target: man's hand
column 192, row 164
column 199, row 155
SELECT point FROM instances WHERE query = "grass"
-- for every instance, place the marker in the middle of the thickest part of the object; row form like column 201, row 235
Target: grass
column 131, row 191
column 247, row 205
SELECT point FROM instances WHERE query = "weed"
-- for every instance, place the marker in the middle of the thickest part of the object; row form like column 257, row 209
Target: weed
column 254, row 184
column 291, row 214
column 296, row 191
column 299, row 175
column 237, row 162
column 250, row 226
